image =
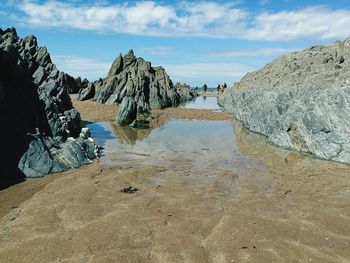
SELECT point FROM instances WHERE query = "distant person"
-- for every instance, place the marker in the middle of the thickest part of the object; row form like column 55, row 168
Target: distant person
column 218, row 88
column 196, row 88
column 225, row 85
column 205, row 87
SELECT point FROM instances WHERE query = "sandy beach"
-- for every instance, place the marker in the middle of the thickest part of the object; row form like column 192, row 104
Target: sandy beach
column 280, row 207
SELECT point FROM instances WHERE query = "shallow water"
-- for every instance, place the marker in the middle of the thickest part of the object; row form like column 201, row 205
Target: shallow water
column 203, row 103
column 209, row 145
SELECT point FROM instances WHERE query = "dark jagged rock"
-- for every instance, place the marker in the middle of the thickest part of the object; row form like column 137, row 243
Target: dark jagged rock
column 134, row 77
column 41, row 131
column 186, row 92
column 127, row 111
column 300, row 101
column 87, row 93
column 77, row 85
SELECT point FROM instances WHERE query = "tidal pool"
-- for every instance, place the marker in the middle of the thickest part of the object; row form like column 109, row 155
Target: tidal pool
column 203, row 103
column 209, row 145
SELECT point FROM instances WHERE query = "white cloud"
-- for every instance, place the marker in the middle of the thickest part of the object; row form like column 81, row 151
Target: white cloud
column 139, row 18
column 89, row 68
column 311, row 22
column 210, row 72
column 196, row 19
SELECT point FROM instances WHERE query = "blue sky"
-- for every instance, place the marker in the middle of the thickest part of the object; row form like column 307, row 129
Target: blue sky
column 197, row 42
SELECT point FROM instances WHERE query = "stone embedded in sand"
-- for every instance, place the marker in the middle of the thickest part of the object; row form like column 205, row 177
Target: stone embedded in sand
column 127, row 111
column 300, row 101
column 129, row 190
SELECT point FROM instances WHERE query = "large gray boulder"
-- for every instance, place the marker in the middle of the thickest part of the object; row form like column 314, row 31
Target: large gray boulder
column 300, row 101
column 41, row 131
column 127, row 112
column 134, row 77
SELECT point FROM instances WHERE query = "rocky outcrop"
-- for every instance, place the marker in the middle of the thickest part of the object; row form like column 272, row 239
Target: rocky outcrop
column 127, row 111
column 300, row 101
column 41, row 132
column 134, row 77
column 186, row 92
column 86, row 93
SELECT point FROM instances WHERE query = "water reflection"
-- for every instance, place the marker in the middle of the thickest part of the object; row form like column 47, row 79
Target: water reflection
column 101, row 132
column 203, row 103
column 208, row 145
column 285, row 162
column 130, row 135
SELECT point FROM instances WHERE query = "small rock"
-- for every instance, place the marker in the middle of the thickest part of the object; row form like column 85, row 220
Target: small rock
column 287, row 192
column 129, row 190
column 85, row 133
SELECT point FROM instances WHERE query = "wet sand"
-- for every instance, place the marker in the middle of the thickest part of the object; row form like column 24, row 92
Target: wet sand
column 209, row 94
column 93, row 112
column 285, row 208
column 191, row 114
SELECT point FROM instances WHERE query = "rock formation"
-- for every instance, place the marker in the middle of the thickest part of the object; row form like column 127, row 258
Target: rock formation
column 86, row 93
column 127, row 111
column 134, row 77
column 41, row 132
column 300, row 101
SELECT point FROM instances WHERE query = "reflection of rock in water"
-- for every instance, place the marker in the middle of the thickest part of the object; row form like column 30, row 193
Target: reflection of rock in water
column 129, row 135
column 279, row 160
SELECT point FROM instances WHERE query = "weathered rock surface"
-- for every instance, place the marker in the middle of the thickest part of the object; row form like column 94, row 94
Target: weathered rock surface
column 127, row 111
column 300, row 101
column 134, row 77
column 40, row 130
column 87, row 93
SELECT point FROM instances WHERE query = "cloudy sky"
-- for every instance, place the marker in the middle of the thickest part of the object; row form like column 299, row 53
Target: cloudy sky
column 195, row 41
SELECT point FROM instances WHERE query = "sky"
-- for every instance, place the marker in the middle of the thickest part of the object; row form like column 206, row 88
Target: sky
column 196, row 42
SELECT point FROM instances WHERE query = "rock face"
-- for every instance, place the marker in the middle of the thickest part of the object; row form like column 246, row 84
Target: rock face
column 134, row 77
column 127, row 111
column 86, row 93
column 300, row 101
column 41, row 132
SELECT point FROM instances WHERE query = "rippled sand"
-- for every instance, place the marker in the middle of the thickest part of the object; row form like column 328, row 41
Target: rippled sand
column 267, row 205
